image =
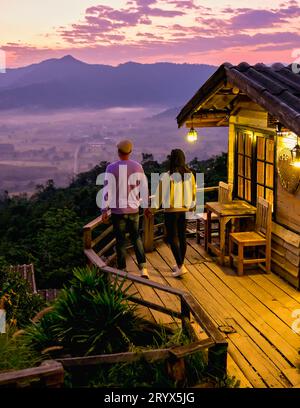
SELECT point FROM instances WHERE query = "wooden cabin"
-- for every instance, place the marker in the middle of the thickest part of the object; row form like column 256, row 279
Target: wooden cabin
column 260, row 105
column 253, row 317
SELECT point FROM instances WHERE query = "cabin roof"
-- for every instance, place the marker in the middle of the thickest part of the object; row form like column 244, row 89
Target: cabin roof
column 275, row 88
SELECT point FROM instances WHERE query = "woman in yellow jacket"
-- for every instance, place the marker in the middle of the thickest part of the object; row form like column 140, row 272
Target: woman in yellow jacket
column 176, row 193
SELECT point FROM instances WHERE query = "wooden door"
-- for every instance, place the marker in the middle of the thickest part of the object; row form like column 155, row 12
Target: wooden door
column 254, row 166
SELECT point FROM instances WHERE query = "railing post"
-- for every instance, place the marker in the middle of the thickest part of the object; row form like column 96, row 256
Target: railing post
column 148, row 233
column 185, row 316
column 87, row 238
column 217, row 360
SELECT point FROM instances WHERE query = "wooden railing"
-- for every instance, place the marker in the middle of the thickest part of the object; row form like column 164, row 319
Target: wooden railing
column 216, row 343
column 49, row 374
column 99, row 235
column 101, row 258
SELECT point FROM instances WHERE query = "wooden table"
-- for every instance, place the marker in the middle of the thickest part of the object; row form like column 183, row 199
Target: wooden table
column 225, row 213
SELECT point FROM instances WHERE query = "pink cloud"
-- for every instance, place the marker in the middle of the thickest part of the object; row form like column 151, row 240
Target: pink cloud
column 157, row 49
column 102, row 35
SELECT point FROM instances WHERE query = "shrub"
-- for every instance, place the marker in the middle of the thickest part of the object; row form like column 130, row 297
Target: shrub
column 143, row 373
column 16, row 353
column 15, row 296
column 58, row 247
column 89, row 316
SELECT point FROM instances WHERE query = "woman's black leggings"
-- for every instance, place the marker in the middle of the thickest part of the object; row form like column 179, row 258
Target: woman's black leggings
column 175, row 223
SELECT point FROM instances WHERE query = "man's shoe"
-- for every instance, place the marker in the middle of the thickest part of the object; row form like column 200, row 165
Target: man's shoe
column 179, row 272
column 144, row 273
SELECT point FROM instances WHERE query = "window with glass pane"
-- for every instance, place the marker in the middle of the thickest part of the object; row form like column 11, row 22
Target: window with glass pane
column 244, row 164
column 254, row 175
column 265, row 167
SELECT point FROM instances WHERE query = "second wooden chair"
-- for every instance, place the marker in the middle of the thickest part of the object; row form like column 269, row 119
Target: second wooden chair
column 224, row 196
column 261, row 237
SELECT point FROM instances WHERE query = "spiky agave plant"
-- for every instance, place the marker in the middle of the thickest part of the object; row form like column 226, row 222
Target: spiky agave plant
column 91, row 315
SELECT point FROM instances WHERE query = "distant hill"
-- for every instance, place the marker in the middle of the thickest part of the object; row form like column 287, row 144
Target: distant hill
column 70, row 83
column 170, row 113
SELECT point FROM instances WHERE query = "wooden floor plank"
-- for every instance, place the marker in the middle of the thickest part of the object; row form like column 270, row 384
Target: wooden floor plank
column 193, row 256
column 252, row 376
column 230, row 305
column 270, row 301
column 283, row 285
column 235, row 371
column 193, row 286
column 163, row 252
column 149, row 294
column 169, row 300
column 274, row 360
column 190, row 285
column 199, row 249
column 276, row 292
column 257, row 360
column 263, row 350
column 200, row 293
column 290, row 341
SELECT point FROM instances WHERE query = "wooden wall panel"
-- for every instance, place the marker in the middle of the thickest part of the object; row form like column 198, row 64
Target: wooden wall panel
column 288, row 205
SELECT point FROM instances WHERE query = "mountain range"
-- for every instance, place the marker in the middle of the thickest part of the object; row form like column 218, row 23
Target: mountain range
column 69, row 83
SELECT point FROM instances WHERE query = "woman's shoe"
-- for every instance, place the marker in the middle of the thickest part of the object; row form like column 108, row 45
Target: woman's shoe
column 175, row 268
column 144, row 273
column 179, row 271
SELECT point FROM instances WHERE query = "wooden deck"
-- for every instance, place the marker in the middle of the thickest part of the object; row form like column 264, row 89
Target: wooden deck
column 254, row 310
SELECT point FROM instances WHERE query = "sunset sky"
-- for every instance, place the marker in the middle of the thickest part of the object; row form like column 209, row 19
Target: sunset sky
column 116, row 31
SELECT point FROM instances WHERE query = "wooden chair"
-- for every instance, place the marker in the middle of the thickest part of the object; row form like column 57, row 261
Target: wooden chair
column 224, row 196
column 261, row 237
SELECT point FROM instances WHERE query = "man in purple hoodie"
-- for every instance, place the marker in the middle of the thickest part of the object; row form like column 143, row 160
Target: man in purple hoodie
column 124, row 203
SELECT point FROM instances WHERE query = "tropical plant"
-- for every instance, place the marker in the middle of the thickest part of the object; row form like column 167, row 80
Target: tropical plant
column 89, row 316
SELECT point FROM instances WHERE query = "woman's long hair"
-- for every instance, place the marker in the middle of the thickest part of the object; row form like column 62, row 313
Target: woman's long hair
column 177, row 162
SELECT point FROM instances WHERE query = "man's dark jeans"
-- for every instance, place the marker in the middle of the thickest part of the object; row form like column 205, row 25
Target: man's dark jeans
column 175, row 223
column 122, row 223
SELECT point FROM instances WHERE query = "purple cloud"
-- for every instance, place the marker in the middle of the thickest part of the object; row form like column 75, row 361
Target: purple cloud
column 256, row 19
column 161, row 49
column 241, row 19
column 103, row 32
column 150, row 35
column 104, row 20
column 145, row 3
column 188, row 4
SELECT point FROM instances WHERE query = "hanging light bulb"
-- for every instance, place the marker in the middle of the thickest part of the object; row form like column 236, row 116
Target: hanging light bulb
column 192, row 135
column 281, row 131
column 295, row 152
